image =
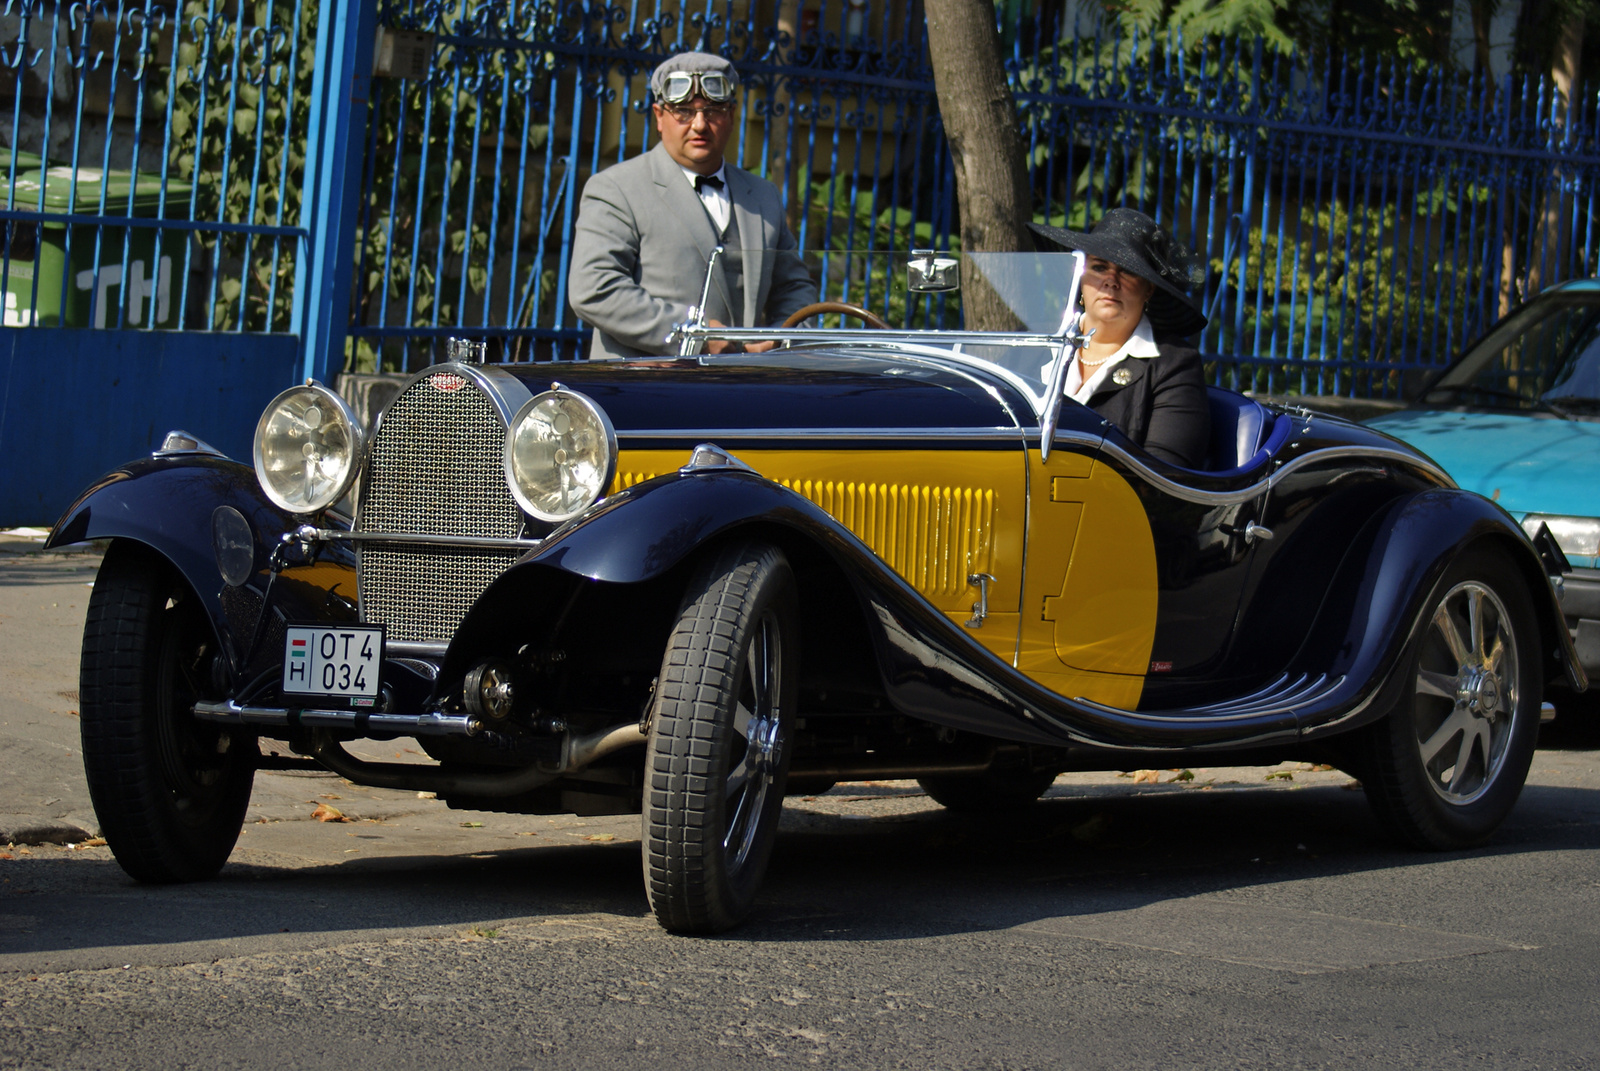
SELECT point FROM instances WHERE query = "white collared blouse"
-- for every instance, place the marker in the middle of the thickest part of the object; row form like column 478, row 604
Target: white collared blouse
column 1141, row 345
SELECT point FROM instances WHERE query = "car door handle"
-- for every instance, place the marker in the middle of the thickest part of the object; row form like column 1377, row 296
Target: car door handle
column 980, row 609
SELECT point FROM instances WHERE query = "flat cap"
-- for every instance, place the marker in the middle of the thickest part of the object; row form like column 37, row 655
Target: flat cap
column 691, row 62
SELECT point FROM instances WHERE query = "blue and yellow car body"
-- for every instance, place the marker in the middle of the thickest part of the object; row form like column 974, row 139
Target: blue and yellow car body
column 1130, row 609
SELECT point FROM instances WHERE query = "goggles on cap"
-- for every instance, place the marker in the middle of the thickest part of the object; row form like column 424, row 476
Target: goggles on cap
column 679, row 86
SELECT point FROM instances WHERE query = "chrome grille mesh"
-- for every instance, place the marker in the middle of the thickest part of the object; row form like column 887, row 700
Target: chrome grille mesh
column 434, row 469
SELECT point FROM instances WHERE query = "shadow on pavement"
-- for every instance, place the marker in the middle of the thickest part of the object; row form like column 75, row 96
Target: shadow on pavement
column 833, row 876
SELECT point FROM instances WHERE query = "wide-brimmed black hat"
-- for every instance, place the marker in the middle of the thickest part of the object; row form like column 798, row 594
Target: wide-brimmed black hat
column 1132, row 240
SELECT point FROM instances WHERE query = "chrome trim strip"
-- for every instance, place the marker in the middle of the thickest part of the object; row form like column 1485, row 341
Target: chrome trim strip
column 707, row 434
column 487, row 542
column 1245, row 494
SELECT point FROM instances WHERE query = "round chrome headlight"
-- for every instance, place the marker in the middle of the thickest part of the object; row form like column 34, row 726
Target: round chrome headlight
column 309, row 445
column 561, row 454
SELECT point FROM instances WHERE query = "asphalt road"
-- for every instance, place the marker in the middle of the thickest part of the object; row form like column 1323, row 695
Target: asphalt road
column 1225, row 921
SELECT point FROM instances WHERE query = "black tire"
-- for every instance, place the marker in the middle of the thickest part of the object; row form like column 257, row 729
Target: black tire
column 170, row 791
column 995, row 790
column 720, row 732
column 1446, row 765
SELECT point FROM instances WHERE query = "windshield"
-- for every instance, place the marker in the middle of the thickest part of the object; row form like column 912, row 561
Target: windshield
column 1544, row 357
column 1001, row 295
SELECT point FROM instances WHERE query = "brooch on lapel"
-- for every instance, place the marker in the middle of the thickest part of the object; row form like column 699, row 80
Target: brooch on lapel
column 1122, row 377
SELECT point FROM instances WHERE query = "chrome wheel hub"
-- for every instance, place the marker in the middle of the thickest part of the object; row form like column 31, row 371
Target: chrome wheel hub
column 1467, row 691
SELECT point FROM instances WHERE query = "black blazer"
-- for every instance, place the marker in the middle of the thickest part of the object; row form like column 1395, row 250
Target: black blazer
column 1162, row 407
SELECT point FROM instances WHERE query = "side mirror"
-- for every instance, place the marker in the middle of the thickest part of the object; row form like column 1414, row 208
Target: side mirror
column 930, row 272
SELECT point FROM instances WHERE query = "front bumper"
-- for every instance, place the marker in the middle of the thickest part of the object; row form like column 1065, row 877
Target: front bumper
column 1580, row 604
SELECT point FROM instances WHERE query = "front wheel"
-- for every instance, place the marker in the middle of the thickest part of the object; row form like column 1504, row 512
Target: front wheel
column 720, row 731
column 1446, row 765
column 170, row 791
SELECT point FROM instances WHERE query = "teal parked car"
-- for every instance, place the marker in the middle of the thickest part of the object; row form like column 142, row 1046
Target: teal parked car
column 1517, row 418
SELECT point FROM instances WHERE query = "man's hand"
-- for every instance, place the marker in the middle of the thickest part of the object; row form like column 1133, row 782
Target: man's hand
column 722, row 345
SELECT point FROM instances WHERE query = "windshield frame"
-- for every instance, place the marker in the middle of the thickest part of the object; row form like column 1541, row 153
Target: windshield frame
column 1063, row 342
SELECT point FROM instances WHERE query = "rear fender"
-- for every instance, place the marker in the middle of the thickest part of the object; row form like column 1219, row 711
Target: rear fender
column 1377, row 602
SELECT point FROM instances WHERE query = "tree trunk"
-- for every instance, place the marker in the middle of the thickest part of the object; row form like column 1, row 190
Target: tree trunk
column 980, row 123
column 1547, row 259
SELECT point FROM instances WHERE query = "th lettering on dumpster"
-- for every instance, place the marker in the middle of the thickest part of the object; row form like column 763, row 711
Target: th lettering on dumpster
column 90, row 274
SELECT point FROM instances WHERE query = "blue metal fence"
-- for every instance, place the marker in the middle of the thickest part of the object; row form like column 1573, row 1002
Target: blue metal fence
column 155, row 156
column 1362, row 220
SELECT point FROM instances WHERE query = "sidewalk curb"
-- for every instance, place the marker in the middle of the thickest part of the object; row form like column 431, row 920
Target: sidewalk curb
column 45, row 833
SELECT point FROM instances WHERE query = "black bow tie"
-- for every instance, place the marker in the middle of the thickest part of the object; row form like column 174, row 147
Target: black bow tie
column 702, row 181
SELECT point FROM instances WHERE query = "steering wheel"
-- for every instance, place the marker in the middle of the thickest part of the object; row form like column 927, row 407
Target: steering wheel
column 800, row 315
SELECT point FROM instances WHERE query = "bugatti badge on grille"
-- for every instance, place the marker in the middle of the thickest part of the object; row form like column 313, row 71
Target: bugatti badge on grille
column 447, row 381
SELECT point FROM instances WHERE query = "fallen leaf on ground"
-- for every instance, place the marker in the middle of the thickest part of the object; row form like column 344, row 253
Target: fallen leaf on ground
column 324, row 813
column 1146, row 777
column 331, row 796
column 471, row 825
column 1280, row 775
column 599, row 836
column 1183, row 775
column 6, row 855
column 92, row 842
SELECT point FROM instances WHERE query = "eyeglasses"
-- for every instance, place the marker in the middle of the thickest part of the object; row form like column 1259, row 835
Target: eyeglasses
column 712, row 112
column 679, row 86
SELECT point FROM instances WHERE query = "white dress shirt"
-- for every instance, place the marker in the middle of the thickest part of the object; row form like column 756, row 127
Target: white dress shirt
column 1141, row 345
column 715, row 198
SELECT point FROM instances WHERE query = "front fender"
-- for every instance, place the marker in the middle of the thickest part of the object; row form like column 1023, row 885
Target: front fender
column 644, row 531
column 165, row 504
column 1381, row 595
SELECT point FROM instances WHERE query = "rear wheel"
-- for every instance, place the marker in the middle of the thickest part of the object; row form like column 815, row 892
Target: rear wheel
column 1447, row 764
column 720, row 731
column 170, row 791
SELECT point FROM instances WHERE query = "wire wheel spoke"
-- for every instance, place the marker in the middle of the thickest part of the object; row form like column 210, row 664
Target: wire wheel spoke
column 754, row 750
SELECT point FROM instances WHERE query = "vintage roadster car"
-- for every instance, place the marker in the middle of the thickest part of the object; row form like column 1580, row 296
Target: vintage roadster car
column 680, row 586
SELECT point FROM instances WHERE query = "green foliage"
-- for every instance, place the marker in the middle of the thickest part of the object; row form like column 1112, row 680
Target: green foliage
column 432, row 219
column 249, row 170
column 1345, row 284
column 876, row 281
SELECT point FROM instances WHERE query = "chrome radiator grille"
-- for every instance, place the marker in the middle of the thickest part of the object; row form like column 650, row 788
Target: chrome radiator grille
column 434, row 468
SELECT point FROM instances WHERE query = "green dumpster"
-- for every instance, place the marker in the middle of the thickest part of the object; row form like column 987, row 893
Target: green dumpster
column 143, row 284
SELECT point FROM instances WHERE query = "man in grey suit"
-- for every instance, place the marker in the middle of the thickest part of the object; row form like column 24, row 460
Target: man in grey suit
column 647, row 226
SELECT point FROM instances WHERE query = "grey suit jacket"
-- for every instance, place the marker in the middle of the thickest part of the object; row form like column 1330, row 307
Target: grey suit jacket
column 640, row 251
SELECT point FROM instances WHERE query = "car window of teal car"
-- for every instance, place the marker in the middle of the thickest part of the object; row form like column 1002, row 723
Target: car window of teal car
column 1550, row 351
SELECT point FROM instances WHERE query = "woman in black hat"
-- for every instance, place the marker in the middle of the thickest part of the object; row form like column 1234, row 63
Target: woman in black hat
column 1135, row 298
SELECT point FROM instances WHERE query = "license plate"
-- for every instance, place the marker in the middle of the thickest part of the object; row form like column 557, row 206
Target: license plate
column 342, row 662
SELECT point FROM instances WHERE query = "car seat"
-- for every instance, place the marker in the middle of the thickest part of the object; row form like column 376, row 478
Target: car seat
column 1243, row 433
